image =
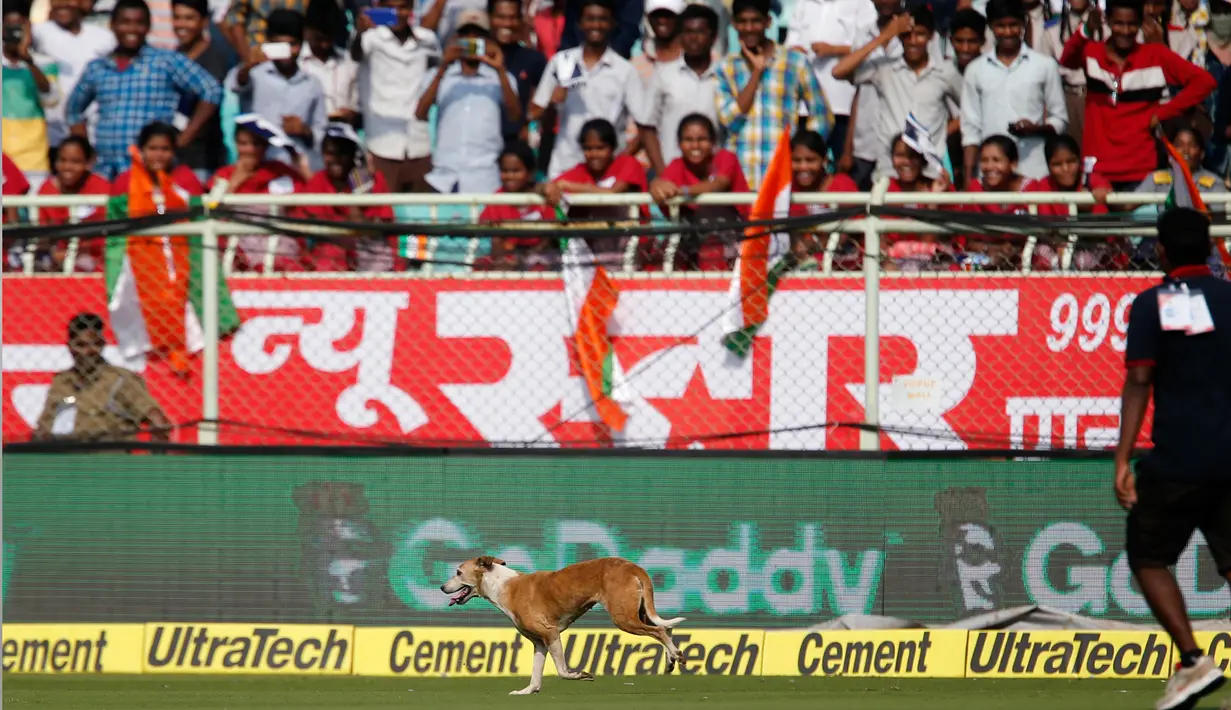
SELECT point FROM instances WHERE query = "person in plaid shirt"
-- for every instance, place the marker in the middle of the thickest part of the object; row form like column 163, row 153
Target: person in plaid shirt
column 762, row 90
column 136, row 86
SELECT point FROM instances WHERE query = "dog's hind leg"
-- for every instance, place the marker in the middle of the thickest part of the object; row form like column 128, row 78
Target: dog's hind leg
column 536, row 674
column 557, row 655
column 629, row 615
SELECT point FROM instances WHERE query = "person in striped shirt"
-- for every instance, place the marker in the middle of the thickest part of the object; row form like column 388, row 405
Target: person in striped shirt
column 763, row 90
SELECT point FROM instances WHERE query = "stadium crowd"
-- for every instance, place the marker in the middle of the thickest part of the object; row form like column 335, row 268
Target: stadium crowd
column 670, row 97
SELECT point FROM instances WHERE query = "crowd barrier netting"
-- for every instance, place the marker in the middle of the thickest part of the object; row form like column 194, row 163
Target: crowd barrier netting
column 892, row 357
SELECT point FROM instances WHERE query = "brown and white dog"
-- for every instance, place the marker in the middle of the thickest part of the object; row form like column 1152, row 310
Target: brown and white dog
column 543, row 604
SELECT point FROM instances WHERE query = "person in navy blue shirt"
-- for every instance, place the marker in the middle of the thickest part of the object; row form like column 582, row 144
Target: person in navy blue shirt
column 628, row 15
column 524, row 63
column 1180, row 356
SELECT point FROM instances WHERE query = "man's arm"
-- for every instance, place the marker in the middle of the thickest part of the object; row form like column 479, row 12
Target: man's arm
column 648, row 114
column 431, row 19
column 1057, row 111
column 83, row 95
column 428, row 94
column 972, row 121
column 1140, row 352
column 547, row 92
column 188, row 77
column 508, row 91
column 235, row 27
column 726, row 101
column 845, row 69
column 1196, row 84
column 1074, row 54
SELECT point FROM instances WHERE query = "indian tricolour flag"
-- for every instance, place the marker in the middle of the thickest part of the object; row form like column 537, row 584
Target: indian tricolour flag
column 154, row 283
column 592, row 298
column 1184, row 193
column 762, row 255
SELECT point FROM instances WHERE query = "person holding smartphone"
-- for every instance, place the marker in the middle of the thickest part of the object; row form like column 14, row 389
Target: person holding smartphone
column 29, row 87
column 470, row 88
column 272, row 85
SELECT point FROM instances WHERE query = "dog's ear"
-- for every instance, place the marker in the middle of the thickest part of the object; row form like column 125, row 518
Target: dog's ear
column 485, row 562
column 498, row 561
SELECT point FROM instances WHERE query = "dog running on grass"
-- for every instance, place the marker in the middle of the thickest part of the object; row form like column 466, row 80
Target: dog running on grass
column 543, row 604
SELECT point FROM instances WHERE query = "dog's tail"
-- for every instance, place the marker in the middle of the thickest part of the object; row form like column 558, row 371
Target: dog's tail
column 647, row 603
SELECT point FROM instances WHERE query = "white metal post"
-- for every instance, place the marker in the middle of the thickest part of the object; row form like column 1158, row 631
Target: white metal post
column 207, row 432
column 869, row 439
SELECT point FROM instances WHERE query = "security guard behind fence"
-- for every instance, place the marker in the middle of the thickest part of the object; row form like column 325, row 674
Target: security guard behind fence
column 1179, row 350
column 94, row 400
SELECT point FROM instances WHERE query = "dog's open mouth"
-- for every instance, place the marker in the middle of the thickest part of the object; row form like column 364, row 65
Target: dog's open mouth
column 462, row 596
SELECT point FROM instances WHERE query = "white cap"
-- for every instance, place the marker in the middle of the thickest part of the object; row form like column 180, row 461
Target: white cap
column 265, row 129
column 675, row 6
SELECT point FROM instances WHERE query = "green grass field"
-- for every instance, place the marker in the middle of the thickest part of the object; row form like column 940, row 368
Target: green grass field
column 630, row 693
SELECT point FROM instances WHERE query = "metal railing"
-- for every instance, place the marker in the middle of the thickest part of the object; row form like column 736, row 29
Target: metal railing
column 869, row 227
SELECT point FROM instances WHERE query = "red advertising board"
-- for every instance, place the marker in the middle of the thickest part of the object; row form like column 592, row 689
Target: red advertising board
column 966, row 362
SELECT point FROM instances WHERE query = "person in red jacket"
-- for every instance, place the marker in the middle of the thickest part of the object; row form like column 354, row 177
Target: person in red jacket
column 1126, row 83
column 73, row 176
column 517, row 167
column 810, row 173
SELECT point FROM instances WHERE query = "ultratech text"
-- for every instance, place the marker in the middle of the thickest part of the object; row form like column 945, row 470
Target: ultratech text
column 845, row 657
column 1015, row 652
column 608, row 654
column 77, row 655
column 453, row 656
column 263, row 648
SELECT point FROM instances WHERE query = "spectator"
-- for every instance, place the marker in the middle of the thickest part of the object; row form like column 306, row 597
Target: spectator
column 15, row 183
column 913, row 83
column 998, row 173
column 1014, row 87
column 208, row 152
column 623, row 33
column 523, row 62
column 702, row 168
column 1066, row 173
column 809, row 174
column 73, row 176
column 1218, row 64
column 1119, row 125
column 337, row 73
column 136, row 86
column 255, row 174
column 1076, row 13
column 1154, row 22
column 1186, row 22
column 247, row 22
column 584, row 83
column 1191, row 146
column 515, row 253
column 94, row 400
column 680, row 88
column 392, row 63
column 967, row 34
column 828, row 30
column 345, row 173
column 471, row 89
column 602, row 172
column 548, row 25
column 282, row 93
column 72, row 45
column 916, row 252
column 444, row 17
column 156, row 146
column 762, row 90
column 29, row 87
column 660, row 47
column 862, row 150
column 1034, row 20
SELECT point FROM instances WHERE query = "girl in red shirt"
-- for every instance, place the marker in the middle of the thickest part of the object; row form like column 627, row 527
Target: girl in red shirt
column 1067, row 173
column 698, row 171
column 998, row 173
column 72, row 175
column 344, row 173
column 509, row 253
column 913, row 252
column 601, row 173
column 809, row 169
column 157, row 145
column 252, row 174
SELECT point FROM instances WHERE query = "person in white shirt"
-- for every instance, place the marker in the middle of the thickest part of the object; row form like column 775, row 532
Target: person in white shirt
column 333, row 68
column 1013, row 91
column 72, row 45
column 392, row 63
column 587, row 82
column 828, row 31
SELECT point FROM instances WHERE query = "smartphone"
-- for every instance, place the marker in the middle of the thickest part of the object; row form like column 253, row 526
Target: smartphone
column 275, row 51
column 473, row 47
column 382, row 16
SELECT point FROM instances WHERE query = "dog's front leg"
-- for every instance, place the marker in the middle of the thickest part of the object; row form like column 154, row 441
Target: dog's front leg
column 536, row 674
column 557, row 655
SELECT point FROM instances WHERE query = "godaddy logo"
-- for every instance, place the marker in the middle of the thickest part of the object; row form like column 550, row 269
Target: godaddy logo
column 735, row 577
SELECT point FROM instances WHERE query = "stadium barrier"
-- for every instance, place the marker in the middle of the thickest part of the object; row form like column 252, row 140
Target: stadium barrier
column 847, row 360
column 444, row 652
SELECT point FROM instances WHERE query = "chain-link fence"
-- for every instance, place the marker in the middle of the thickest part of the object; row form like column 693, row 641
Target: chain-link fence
column 991, row 331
